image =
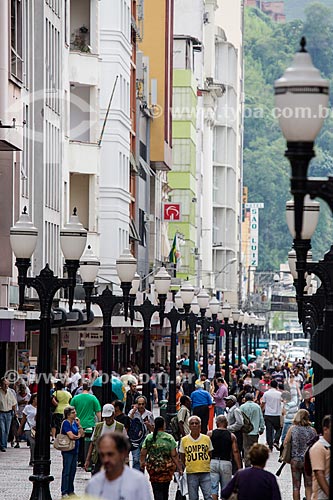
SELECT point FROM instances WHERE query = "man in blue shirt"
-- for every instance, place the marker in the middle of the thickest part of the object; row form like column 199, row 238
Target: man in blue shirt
column 201, row 400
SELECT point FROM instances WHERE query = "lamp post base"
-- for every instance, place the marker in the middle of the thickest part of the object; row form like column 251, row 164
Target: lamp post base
column 41, row 487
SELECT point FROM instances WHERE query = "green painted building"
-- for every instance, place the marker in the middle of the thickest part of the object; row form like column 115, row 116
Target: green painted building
column 182, row 178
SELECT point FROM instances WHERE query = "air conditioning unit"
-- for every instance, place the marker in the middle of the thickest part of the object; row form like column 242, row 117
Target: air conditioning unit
column 149, row 217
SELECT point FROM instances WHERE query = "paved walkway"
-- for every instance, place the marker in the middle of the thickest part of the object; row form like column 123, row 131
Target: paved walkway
column 15, row 472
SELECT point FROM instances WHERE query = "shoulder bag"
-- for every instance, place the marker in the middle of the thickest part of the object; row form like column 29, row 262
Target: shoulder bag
column 63, row 442
column 285, row 455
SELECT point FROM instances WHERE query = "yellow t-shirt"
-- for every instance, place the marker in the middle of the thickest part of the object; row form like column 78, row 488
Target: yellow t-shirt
column 197, row 458
column 63, row 398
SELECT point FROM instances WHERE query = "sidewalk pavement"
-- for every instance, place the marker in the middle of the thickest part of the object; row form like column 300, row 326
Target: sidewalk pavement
column 15, row 472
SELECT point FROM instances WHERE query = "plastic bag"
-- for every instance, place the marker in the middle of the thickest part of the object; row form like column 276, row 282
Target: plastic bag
column 181, row 483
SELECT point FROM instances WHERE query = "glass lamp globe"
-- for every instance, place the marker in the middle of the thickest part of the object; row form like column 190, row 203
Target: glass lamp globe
column 187, row 293
column 162, row 281
column 203, row 299
column 195, row 306
column 126, row 266
column 301, row 87
column 23, row 237
column 311, row 211
column 235, row 316
column 226, row 310
column 73, row 238
column 292, row 263
column 246, row 318
column 89, row 265
column 214, row 306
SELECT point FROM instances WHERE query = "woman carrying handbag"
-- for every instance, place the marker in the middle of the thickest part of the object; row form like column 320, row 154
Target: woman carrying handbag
column 70, row 427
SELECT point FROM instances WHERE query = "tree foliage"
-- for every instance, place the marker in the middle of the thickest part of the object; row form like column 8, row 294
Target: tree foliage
column 269, row 48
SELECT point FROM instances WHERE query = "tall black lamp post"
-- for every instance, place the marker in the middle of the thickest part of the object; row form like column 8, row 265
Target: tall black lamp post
column 214, row 307
column 185, row 301
column 226, row 311
column 203, row 301
column 23, row 238
column 147, row 310
column 239, row 337
column 303, row 88
column 126, row 267
column 129, row 283
column 236, row 315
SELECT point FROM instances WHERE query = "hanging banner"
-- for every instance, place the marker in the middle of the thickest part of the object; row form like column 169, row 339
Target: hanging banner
column 254, row 236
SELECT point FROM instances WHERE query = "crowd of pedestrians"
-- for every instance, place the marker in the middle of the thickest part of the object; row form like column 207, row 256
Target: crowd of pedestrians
column 221, row 458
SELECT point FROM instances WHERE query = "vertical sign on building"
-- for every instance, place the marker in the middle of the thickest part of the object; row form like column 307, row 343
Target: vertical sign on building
column 254, row 235
column 254, row 231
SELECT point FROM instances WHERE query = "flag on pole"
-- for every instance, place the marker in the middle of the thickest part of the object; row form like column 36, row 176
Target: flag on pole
column 175, row 254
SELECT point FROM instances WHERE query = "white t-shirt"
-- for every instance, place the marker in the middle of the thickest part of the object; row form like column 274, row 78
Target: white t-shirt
column 132, row 484
column 30, row 412
column 211, row 371
column 272, row 400
column 74, row 380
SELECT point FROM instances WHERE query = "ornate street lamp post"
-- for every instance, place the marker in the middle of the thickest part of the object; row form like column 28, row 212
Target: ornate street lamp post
column 246, row 323
column 203, row 301
column 303, row 88
column 239, row 333
column 214, row 306
column 235, row 318
column 126, row 267
column 226, row 310
column 23, row 238
column 129, row 282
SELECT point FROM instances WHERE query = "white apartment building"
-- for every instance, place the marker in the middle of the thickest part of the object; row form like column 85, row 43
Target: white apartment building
column 50, row 160
column 217, row 25
column 222, row 179
column 114, row 202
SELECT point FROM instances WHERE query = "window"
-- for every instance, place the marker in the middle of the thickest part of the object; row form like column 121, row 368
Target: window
column 16, row 39
column 142, row 228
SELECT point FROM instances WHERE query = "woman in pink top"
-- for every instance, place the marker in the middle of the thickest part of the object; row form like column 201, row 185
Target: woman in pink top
column 219, row 396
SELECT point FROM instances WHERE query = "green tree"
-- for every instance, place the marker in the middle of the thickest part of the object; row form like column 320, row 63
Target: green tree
column 269, row 49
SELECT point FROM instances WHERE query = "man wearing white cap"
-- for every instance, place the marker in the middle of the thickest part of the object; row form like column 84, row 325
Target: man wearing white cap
column 109, row 424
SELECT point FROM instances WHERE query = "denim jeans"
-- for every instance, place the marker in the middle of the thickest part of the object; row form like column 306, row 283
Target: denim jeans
column 220, row 473
column 203, row 480
column 32, row 443
column 219, row 411
column 5, row 421
column 136, row 458
column 69, row 462
column 285, row 429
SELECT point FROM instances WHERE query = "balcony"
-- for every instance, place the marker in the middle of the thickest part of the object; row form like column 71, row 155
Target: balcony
column 84, row 68
column 83, row 158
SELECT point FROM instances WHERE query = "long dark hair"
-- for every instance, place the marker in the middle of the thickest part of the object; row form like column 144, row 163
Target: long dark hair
column 159, row 424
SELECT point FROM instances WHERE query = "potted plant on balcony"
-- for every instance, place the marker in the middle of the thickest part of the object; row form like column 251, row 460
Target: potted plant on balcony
column 79, row 40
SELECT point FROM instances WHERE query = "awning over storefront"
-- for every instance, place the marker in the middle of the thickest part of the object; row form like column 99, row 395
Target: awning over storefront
column 12, row 330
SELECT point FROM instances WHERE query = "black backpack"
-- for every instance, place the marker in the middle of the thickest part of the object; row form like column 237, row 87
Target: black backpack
column 136, row 432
